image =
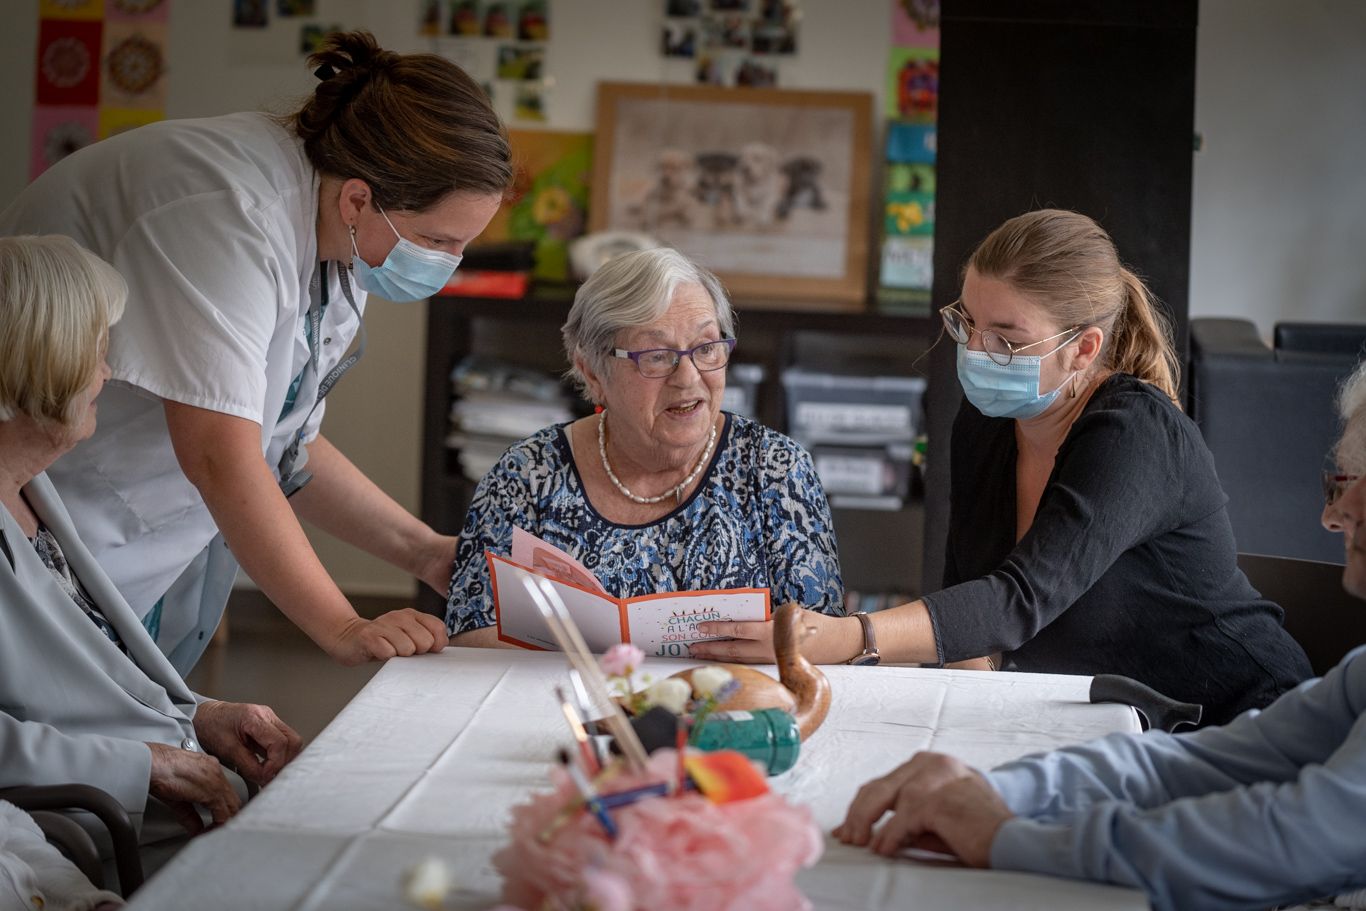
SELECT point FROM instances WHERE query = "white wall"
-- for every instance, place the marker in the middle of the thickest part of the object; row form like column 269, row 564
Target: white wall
column 1279, row 221
column 1280, row 196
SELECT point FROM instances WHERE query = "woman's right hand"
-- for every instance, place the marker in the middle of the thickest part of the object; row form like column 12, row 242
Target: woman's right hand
column 398, row 633
column 184, row 779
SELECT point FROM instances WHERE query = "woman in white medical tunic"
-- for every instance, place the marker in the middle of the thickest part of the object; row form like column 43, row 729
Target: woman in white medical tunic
column 249, row 243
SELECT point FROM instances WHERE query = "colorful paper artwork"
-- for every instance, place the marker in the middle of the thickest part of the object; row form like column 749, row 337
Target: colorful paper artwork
column 913, row 83
column 502, row 40
column 912, row 104
column 679, row 38
column 908, row 213
column 59, row 131
column 520, row 63
column 464, row 18
column 498, row 20
column 249, row 14
column 134, row 66
column 118, row 120
column 530, row 102
column 71, row 9
column 312, row 34
column 533, row 21
column 551, row 193
column 915, row 23
column 144, row 11
column 101, row 67
column 733, row 42
column 68, row 63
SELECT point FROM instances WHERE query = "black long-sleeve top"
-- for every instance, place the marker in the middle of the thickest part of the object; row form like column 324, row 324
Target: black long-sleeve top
column 1128, row 568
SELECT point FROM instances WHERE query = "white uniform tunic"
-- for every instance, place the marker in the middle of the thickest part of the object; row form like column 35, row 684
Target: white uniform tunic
column 213, row 224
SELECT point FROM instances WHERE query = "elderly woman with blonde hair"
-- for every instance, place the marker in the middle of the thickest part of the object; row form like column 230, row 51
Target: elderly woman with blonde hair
column 659, row 491
column 87, row 696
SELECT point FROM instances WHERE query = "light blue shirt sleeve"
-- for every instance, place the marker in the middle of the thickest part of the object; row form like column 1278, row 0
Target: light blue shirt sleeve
column 1268, row 809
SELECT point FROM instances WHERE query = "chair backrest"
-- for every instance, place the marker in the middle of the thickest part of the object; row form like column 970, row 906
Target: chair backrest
column 1269, row 420
column 1320, row 615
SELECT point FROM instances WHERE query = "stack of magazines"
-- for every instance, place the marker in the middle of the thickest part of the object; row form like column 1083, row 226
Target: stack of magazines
column 496, row 404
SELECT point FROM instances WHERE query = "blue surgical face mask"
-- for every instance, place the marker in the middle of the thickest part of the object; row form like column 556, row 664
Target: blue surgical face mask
column 1006, row 391
column 408, row 273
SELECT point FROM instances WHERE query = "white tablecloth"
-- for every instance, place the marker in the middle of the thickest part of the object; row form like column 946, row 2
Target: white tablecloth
column 428, row 758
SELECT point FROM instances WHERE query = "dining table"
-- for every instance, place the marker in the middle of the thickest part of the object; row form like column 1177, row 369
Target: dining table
column 428, row 759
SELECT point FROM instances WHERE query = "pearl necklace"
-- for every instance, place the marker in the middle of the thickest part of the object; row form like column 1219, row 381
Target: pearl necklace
column 677, row 492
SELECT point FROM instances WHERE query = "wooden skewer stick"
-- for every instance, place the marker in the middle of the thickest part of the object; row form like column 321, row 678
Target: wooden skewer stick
column 566, row 633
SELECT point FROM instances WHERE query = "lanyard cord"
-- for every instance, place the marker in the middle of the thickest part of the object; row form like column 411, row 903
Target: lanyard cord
column 293, row 477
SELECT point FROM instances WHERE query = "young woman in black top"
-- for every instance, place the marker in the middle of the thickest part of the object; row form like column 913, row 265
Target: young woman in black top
column 1087, row 531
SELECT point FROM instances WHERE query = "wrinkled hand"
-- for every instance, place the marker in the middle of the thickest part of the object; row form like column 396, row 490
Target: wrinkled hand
column 830, row 640
column 398, row 633
column 183, row 780
column 936, row 803
column 250, row 739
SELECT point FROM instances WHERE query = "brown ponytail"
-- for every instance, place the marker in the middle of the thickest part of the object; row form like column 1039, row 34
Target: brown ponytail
column 415, row 127
column 1068, row 265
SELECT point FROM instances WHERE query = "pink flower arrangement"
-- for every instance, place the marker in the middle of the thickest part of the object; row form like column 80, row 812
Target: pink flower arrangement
column 621, row 660
column 683, row 853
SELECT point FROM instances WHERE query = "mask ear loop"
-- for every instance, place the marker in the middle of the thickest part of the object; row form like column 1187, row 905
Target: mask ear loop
column 1072, row 391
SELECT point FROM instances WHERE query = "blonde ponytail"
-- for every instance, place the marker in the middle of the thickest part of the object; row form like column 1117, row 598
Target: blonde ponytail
column 1141, row 340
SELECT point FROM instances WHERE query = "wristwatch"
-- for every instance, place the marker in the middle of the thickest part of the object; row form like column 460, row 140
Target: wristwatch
column 869, row 655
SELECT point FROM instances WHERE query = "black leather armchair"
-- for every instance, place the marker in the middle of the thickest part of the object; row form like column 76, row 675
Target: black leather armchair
column 1268, row 415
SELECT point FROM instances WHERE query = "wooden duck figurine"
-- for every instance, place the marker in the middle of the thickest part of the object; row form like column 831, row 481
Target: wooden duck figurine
column 800, row 689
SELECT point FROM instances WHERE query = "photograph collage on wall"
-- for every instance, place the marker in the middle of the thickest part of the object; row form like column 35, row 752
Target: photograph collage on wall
column 501, row 44
column 101, row 69
column 911, row 106
column 731, row 42
column 258, row 14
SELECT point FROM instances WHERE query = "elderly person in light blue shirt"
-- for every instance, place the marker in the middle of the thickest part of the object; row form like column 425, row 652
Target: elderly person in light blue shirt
column 1266, row 810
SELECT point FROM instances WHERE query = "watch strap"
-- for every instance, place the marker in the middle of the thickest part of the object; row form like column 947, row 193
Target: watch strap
column 869, row 655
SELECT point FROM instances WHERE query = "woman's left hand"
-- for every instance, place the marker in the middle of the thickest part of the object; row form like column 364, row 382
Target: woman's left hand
column 831, row 640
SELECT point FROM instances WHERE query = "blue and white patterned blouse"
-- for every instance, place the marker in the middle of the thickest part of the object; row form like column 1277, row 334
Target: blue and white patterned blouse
column 758, row 519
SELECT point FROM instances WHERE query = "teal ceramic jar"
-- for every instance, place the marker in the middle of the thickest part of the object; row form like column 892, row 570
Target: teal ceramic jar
column 768, row 736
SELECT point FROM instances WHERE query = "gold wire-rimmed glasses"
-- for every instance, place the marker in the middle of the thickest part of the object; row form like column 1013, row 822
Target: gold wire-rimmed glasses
column 960, row 329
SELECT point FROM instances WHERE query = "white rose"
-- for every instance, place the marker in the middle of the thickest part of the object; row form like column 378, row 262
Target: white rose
column 706, row 681
column 428, row 883
column 670, row 693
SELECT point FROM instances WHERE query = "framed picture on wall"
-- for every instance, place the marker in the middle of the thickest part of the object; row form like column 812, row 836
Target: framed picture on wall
column 766, row 187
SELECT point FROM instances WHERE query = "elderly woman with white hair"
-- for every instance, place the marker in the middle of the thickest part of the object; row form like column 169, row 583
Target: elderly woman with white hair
column 85, row 694
column 1257, row 813
column 659, row 491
